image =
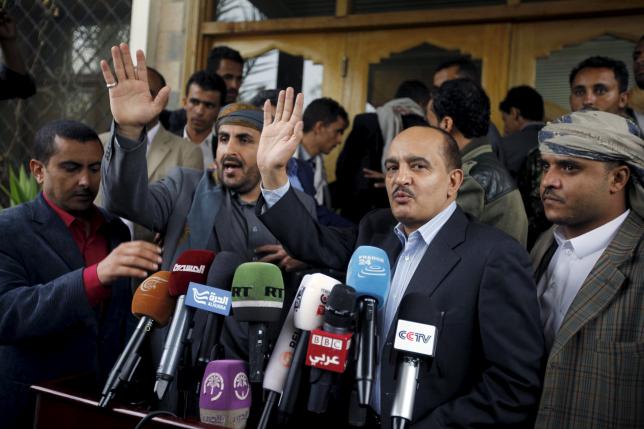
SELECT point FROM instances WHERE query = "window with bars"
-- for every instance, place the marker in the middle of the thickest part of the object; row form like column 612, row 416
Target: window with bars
column 62, row 42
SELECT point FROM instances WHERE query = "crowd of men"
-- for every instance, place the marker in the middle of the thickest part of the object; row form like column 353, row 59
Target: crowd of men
column 553, row 338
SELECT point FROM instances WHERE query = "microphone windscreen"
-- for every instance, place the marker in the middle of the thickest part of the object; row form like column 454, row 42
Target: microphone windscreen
column 340, row 307
column 151, row 299
column 257, row 292
column 369, row 273
column 310, row 301
column 191, row 266
column 223, row 269
column 225, row 396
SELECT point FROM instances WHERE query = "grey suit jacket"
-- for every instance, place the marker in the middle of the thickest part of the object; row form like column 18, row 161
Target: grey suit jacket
column 595, row 371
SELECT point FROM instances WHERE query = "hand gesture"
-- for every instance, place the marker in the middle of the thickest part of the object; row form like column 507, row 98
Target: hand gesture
column 129, row 259
column 279, row 139
column 130, row 100
column 275, row 254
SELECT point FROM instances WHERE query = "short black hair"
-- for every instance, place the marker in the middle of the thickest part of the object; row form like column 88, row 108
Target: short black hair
column 219, row 53
column 527, row 100
column 263, row 95
column 208, row 82
column 44, row 142
column 466, row 103
column 466, row 67
column 618, row 67
column 451, row 151
column 159, row 75
column 323, row 109
column 414, row 89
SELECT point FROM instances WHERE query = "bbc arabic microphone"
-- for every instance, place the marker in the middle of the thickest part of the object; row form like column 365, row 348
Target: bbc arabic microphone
column 225, row 394
column 191, row 266
column 280, row 360
column 414, row 343
column 308, row 315
column 153, row 306
column 328, row 348
column 369, row 274
column 258, row 298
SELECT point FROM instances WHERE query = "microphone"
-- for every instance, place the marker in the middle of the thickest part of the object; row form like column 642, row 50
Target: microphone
column 280, row 360
column 220, row 277
column 308, row 314
column 153, row 306
column 191, row 266
column 415, row 342
column 225, row 396
column 369, row 273
column 258, row 297
column 328, row 348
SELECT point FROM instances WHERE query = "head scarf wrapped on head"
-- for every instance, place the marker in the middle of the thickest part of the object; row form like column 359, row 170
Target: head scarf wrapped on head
column 242, row 114
column 599, row 136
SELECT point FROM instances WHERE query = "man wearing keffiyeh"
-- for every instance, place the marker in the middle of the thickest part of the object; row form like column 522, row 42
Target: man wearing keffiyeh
column 590, row 272
column 212, row 210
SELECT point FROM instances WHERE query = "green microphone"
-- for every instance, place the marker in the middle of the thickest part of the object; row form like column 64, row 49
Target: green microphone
column 258, row 298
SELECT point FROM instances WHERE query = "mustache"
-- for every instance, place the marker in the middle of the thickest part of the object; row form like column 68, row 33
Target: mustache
column 404, row 190
column 231, row 159
column 550, row 194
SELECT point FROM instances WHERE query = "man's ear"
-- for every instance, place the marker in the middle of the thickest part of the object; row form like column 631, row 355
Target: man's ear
column 319, row 125
column 446, row 124
column 455, row 181
column 618, row 178
column 515, row 113
column 37, row 170
column 623, row 99
column 184, row 101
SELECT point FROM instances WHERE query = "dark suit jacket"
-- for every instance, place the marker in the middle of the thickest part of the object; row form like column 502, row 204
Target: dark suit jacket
column 490, row 347
column 517, row 145
column 47, row 328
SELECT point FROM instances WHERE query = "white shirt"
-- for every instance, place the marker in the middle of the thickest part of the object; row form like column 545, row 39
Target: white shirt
column 206, row 147
column 567, row 271
column 640, row 119
column 319, row 173
column 152, row 133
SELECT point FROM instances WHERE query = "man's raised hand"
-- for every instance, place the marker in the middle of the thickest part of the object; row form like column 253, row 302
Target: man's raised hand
column 279, row 139
column 130, row 100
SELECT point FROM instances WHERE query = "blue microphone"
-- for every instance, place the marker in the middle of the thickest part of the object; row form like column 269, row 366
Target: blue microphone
column 369, row 274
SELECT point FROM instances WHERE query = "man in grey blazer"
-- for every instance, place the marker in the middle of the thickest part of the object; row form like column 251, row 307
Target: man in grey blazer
column 213, row 210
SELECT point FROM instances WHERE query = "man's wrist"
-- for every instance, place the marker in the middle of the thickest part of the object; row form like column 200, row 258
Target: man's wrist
column 130, row 132
column 274, row 179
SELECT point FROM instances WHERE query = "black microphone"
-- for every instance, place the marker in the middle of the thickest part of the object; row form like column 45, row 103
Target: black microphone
column 329, row 347
column 415, row 343
column 220, row 276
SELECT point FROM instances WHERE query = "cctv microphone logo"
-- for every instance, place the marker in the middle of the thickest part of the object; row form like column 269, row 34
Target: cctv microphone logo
column 414, row 336
column 371, row 266
column 241, row 386
column 214, row 382
column 417, row 338
column 198, row 269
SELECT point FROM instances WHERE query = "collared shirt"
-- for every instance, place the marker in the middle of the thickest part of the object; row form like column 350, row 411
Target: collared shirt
column 414, row 247
column 206, row 147
column 151, row 134
column 570, row 265
column 244, row 229
column 93, row 247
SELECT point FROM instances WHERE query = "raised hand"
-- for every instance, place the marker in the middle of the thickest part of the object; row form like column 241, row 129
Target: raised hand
column 130, row 100
column 279, row 139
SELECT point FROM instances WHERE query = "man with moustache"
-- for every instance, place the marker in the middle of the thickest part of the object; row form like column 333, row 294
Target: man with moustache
column 211, row 210
column 477, row 280
column 590, row 272
column 64, row 274
column 599, row 83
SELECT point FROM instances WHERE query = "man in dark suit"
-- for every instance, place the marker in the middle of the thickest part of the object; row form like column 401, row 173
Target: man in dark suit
column 486, row 372
column 64, row 299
